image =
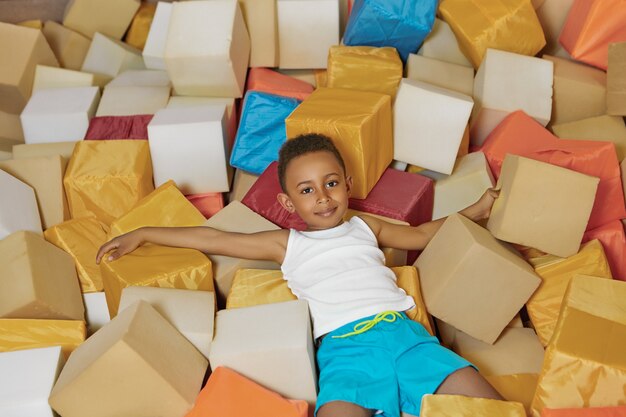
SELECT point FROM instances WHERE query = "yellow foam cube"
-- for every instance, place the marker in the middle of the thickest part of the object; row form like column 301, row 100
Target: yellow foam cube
column 19, row 334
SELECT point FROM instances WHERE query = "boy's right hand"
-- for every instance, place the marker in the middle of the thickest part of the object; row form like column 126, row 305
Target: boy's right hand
column 122, row 245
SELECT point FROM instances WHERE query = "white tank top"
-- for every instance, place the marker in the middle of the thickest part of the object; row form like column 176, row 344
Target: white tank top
column 341, row 273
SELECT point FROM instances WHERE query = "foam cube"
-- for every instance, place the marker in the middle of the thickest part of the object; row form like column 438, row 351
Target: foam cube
column 154, row 48
column 229, row 394
column 128, row 101
column 69, row 47
column 555, row 273
column 477, row 27
column 402, row 24
column 310, row 76
column 45, row 176
column 236, row 217
column 11, row 127
column 594, row 307
column 189, row 146
column 462, row 406
column 190, row 312
column 42, row 150
column 532, row 208
column 441, row 45
column 110, row 18
column 6, row 149
column 453, row 279
column 616, row 73
column 469, row 180
column 441, row 122
column 306, row 29
column 364, row 120
column 19, row 212
column 20, row 334
column 603, row 128
column 516, row 387
column 261, row 20
column 119, row 127
column 613, row 239
column 121, row 181
column 108, row 57
column 231, row 110
column 155, row 369
column 140, row 26
column 207, row 49
column 208, row 203
column 27, row 379
column 364, row 68
column 584, row 412
column 273, row 82
column 442, row 74
column 96, row 311
column 271, row 344
column 141, row 78
column 53, row 77
column 552, row 15
column 261, row 130
column 242, row 182
column 506, row 82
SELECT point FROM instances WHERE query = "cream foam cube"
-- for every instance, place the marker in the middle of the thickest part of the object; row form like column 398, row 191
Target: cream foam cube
column 306, row 30
column 154, row 50
column 428, row 125
column 59, row 114
column 231, row 116
column 191, row 312
column 188, row 145
column 26, row 380
column 207, row 49
column 44, row 150
column 96, row 311
column 109, row 57
column 141, row 78
column 260, row 17
column 440, row 73
column 441, row 45
column 506, row 82
column 469, row 180
column 128, row 101
column 271, row 344
column 18, row 210
column 53, row 77
column 111, row 17
column 68, row 46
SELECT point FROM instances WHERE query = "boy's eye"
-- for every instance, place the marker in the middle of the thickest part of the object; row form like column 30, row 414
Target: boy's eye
column 332, row 183
column 307, row 190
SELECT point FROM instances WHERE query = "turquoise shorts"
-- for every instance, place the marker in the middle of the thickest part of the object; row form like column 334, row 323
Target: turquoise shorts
column 387, row 368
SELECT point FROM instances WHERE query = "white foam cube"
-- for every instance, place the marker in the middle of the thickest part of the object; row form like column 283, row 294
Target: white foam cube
column 207, row 49
column 26, row 380
column 231, row 116
column 53, row 77
column 306, row 30
column 109, row 57
column 128, row 101
column 441, row 44
column 188, row 145
column 271, row 344
column 154, row 50
column 469, row 180
column 59, row 114
column 96, row 311
column 191, row 312
column 18, row 210
column 506, row 82
column 141, row 78
column 440, row 73
column 429, row 123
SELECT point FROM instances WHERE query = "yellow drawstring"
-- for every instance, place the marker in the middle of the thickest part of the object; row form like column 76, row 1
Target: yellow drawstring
column 365, row 325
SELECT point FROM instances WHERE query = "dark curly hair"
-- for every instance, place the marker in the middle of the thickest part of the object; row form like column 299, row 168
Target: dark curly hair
column 302, row 145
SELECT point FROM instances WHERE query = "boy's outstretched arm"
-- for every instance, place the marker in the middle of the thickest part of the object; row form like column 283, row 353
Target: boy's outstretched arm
column 416, row 238
column 270, row 245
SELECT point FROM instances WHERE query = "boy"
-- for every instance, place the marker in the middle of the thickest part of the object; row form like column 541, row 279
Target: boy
column 371, row 358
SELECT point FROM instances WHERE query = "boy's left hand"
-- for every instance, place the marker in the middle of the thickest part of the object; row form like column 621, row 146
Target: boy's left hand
column 482, row 208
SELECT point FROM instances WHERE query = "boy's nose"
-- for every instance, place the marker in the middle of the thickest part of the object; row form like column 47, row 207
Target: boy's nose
column 323, row 197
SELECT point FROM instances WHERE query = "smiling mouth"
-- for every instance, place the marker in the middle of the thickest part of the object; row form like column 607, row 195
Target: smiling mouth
column 326, row 213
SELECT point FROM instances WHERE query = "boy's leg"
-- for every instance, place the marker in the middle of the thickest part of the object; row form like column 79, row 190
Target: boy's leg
column 342, row 409
column 467, row 381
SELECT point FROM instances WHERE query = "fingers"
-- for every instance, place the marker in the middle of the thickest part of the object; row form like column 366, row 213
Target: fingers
column 109, row 246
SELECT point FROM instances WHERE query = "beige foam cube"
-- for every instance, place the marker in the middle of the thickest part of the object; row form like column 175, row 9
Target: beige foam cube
column 131, row 100
column 306, row 30
column 37, row 150
column 11, row 127
column 19, row 207
column 441, row 44
column 236, row 217
column 70, row 47
column 506, row 82
column 190, row 312
column 441, row 121
column 207, row 49
column 21, row 49
column 242, row 182
column 111, row 17
column 6, row 148
column 231, row 116
column 440, row 73
column 271, row 344
column 616, row 80
column 108, row 57
column 261, row 19
column 53, row 77
column 37, row 280
column 137, row 365
column 141, row 78
column 96, row 311
column 552, row 15
column 457, row 267
column 45, row 176
column 154, row 49
column 306, row 75
column 534, row 207
column 601, row 128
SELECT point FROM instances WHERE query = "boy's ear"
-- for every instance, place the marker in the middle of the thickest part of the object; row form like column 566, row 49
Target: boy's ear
column 349, row 185
column 286, row 202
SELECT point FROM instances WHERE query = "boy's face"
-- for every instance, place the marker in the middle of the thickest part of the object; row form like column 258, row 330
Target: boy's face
column 317, row 189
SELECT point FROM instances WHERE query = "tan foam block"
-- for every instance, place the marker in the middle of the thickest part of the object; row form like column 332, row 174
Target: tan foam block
column 261, row 21
column 242, row 182
column 236, row 217
column 463, row 406
column 38, row 280
column 141, row 78
column 307, row 75
column 517, row 351
column 70, row 47
column 6, row 148
column 21, row 49
column 552, row 15
column 53, row 77
column 579, row 91
column 111, row 17
column 190, row 312
column 460, row 261
column 137, row 365
column 37, row 150
column 45, row 176
column 616, row 80
column 441, row 44
column 534, row 205
column 20, row 334
column 18, row 210
column 601, row 128
column 440, row 73
column 128, row 101
column 11, row 127
column 108, row 57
